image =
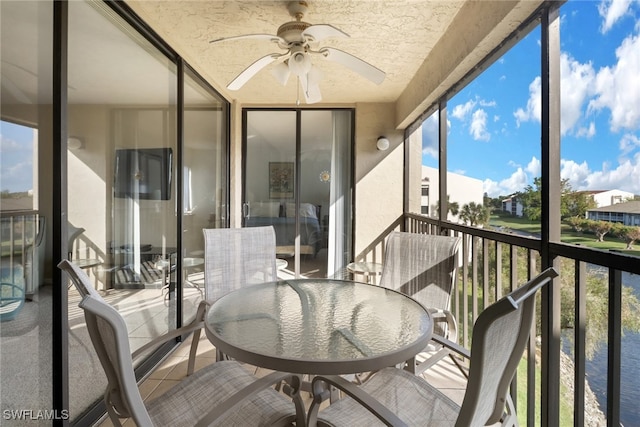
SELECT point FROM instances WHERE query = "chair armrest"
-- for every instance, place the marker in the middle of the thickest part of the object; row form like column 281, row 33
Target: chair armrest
column 260, row 384
column 452, row 346
column 321, row 393
column 196, row 323
column 440, row 315
column 166, row 337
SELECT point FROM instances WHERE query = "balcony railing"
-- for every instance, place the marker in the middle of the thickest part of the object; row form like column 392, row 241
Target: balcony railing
column 21, row 238
column 491, row 264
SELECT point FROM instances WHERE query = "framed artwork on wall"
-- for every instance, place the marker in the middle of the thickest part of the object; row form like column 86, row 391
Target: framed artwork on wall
column 281, row 179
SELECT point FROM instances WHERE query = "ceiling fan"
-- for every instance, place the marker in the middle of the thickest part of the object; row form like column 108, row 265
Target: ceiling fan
column 301, row 41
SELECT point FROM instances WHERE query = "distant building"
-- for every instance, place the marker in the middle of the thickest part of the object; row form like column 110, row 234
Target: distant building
column 609, row 197
column 627, row 213
column 512, row 205
column 460, row 188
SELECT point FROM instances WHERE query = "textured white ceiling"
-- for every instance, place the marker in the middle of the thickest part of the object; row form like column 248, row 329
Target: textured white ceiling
column 424, row 46
column 395, row 36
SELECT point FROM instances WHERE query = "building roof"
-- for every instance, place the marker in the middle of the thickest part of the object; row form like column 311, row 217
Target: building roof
column 626, row 207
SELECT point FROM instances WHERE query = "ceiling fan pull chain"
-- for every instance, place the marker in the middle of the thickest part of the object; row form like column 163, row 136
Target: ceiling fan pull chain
column 298, row 91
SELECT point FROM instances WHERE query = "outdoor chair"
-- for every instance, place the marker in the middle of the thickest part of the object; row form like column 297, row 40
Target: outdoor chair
column 233, row 257
column 398, row 398
column 424, row 267
column 223, row 393
column 73, row 233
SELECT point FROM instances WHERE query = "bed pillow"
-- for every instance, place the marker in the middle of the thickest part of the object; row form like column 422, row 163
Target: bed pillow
column 264, row 209
column 307, row 210
column 290, row 210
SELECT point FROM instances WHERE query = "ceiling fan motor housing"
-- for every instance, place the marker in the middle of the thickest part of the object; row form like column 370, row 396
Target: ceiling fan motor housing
column 292, row 31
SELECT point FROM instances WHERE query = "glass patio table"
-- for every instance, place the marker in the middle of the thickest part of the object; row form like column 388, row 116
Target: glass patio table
column 318, row 326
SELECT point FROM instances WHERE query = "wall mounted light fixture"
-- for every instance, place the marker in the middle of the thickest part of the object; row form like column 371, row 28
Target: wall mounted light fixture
column 75, row 143
column 383, row 143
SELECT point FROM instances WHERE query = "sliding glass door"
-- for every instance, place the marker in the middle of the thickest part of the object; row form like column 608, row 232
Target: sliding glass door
column 297, row 179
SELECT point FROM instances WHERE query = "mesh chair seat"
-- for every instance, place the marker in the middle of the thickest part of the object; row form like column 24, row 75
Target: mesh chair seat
column 401, row 392
column 182, row 405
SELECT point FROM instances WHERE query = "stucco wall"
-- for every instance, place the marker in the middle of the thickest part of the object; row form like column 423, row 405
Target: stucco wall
column 378, row 176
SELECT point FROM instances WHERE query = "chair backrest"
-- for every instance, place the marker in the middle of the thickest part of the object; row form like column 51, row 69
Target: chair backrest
column 423, row 266
column 108, row 332
column 236, row 257
column 500, row 335
column 73, row 233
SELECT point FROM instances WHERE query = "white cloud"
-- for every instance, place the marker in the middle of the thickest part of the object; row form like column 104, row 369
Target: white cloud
column 11, row 145
column 461, row 111
column 629, row 143
column 17, row 176
column 478, row 127
column 533, row 168
column 587, row 132
column 492, row 188
column 577, row 85
column 576, row 173
column 533, row 110
column 618, row 87
column 430, row 136
column 625, row 177
column 516, row 182
column 612, row 11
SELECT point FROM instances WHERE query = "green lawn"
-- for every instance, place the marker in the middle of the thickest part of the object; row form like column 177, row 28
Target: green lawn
column 507, row 222
column 566, row 409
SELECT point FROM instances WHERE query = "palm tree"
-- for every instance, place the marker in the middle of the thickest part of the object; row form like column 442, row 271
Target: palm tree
column 474, row 214
column 452, row 207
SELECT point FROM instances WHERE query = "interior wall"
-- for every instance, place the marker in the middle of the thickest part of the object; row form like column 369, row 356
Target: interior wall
column 89, row 176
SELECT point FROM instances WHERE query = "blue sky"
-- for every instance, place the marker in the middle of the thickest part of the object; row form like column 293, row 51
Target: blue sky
column 494, row 123
column 16, row 157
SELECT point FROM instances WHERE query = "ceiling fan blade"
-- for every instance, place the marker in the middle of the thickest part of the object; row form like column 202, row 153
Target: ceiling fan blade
column 281, row 72
column 361, row 67
column 320, row 32
column 269, row 37
column 15, row 91
column 310, row 89
column 251, row 71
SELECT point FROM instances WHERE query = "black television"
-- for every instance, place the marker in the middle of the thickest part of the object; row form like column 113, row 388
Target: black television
column 143, row 173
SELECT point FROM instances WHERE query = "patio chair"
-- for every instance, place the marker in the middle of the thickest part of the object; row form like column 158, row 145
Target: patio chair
column 397, row 397
column 424, row 267
column 233, row 257
column 223, row 393
column 73, row 233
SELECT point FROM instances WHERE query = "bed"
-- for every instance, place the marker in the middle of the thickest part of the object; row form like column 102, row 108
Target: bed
column 282, row 217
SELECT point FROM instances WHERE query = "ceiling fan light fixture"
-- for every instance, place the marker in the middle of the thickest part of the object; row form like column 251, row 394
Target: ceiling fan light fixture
column 281, row 72
column 299, row 63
